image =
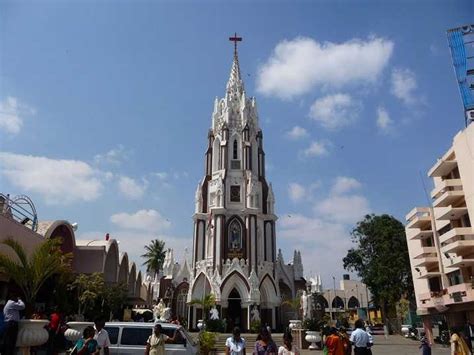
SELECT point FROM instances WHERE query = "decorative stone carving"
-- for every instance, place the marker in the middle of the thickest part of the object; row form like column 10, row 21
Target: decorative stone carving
column 254, row 287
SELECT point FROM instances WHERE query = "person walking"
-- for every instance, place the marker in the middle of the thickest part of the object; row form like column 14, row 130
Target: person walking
column 87, row 345
column 334, row 343
column 425, row 347
column 155, row 344
column 265, row 344
column 288, row 348
column 360, row 339
column 235, row 345
column 345, row 341
column 11, row 312
column 101, row 336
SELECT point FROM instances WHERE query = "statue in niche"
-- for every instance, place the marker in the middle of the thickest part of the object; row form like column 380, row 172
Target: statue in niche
column 214, row 313
column 235, row 237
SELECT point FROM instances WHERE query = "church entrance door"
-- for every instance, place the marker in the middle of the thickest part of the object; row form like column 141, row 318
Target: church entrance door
column 234, row 312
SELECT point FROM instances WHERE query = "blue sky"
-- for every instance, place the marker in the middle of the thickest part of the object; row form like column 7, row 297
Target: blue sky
column 105, row 108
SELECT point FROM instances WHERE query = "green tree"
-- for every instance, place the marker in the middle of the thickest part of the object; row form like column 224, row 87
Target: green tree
column 89, row 290
column 114, row 296
column 154, row 256
column 381, row 260
column 31, row 272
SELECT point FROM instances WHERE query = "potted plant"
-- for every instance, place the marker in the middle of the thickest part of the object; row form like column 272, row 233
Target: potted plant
column 207, row 342
column 29, row 273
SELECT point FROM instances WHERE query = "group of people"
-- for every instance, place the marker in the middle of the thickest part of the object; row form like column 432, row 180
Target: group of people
column 337, row 342
column 236, row 345
column 95, row 340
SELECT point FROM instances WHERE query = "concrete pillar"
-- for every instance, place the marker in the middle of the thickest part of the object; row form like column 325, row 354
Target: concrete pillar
column 273, row 317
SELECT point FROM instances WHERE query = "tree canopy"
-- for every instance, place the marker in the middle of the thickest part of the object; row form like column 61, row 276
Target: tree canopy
column 381, row 259
column 154, row 256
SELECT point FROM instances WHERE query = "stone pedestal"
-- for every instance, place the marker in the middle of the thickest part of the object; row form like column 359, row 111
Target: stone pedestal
column 31, row 332
column 75, row 330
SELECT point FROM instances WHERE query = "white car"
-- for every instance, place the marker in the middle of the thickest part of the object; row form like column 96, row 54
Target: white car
column 131, row 338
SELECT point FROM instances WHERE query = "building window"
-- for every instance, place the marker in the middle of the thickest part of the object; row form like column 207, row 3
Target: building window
column 235, row 193
column 181, row 308
column 235, row 235
column 234, row 155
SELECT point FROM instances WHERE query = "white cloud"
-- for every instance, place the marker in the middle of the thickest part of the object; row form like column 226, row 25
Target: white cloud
column 297, row 66
column 323, row 236
column 343, row 209
column 114, row 156
column 296, row 133
column 335, row 111
column 58, row 181
column 130, row 188
column 11, row 112
column 384, row 122
column 296, row 191
column 404, row 85
column 343, row 184
column 316, row 149
column 142, row 220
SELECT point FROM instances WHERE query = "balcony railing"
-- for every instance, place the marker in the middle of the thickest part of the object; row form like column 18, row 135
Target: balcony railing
column 19, row 208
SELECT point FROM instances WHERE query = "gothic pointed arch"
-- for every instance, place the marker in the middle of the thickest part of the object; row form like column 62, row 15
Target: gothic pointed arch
column 268, row 291
column 216, row 155
column 123, row 269
column 201, row 287
column 353, row 303
column 337, row 302
column 235, row 280
column 321, row 303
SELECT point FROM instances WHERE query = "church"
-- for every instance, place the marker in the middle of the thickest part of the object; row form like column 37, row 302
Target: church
column 234, row 253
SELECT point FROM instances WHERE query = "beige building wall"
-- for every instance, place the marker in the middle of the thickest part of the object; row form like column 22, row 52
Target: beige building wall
column 441, row 237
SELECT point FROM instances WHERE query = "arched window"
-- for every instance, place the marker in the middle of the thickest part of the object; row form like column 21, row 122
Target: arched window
column 181, row 308
column 234, row 154
column 337, row 302
column 235, row 235
column 353, row 303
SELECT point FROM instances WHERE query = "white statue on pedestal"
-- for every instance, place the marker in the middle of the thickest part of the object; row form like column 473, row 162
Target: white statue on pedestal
column 214, row 313
column 166, row 315
column 158, row 310
column 306, row 305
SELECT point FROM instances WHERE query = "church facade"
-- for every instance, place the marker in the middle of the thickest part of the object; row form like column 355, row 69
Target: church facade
column 234, row 252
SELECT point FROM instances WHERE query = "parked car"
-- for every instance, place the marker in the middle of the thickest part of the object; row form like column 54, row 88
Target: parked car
column 131, row 338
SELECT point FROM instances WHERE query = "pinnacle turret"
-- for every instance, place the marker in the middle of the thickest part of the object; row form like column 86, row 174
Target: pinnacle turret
column 235, row 84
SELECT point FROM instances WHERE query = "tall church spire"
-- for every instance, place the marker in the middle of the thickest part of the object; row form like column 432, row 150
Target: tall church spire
column 235, row 83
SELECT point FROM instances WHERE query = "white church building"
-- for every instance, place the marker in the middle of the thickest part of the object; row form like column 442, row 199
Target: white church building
column 234, row 252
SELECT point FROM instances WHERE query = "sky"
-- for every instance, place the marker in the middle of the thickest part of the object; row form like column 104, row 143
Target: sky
column 105, row 108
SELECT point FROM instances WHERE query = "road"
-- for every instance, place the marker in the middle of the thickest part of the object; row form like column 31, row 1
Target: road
column 395, row 345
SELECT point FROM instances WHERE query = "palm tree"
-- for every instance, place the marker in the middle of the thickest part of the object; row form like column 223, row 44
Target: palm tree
column 30, row 273
column 154, row 256
column 206, row 303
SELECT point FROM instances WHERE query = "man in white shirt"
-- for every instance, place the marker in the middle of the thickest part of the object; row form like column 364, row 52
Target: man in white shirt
column 360, row 339
column 101, row 336
column 11, row 312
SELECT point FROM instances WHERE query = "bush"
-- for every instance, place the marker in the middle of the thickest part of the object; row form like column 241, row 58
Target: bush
column 215, row 325
column 255, row 326
column 312, row 324
column 207, row 341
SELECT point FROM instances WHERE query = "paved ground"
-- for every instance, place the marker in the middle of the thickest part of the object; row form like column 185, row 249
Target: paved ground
column 395, row 345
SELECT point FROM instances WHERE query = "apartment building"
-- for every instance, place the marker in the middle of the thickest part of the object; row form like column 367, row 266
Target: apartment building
column 441, row 238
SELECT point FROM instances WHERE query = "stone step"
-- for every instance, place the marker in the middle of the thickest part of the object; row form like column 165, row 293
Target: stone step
column 250, row 340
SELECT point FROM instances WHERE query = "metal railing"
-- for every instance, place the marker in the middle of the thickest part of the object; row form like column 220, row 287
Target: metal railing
column 21, row 209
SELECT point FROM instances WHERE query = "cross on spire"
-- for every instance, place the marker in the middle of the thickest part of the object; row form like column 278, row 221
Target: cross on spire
column 235, row 39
